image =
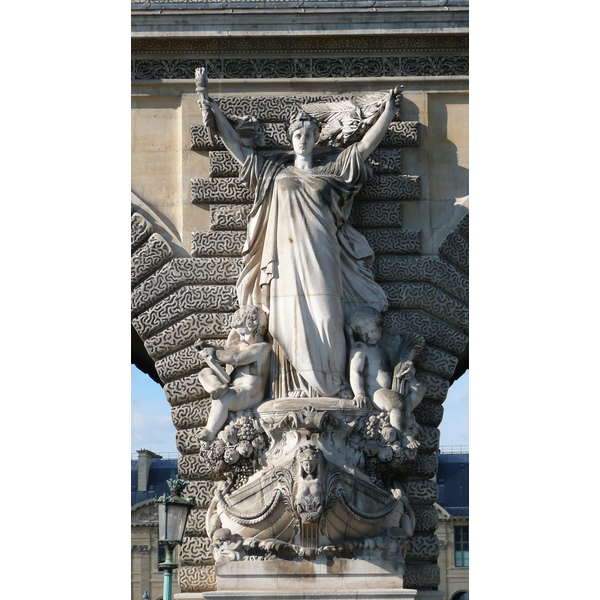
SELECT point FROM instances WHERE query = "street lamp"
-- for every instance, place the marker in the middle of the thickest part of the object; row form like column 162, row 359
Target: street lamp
column 173, row 512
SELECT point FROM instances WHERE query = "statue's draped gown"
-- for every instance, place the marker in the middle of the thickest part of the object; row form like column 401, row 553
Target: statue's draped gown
column 305, row 265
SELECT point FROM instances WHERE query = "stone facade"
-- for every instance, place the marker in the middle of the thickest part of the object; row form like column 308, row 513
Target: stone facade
column 189, row 211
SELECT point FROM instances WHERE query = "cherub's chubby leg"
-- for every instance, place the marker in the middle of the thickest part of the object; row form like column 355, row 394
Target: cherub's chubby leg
column 391, row 402
column 240, row 397
column 211, row 383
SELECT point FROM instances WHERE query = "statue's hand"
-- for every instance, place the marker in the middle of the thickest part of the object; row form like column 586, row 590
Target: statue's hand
column 394, row 100
column 208, row 352
column 361, row 401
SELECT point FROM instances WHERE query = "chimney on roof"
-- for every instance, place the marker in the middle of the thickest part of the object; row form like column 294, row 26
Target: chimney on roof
column 145, row 458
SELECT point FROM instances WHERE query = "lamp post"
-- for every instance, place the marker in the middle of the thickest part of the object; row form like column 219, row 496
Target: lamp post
column 173, row 512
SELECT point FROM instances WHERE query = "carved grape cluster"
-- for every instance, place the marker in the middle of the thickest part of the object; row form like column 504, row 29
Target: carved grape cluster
column 238, row 448
column 381, row 447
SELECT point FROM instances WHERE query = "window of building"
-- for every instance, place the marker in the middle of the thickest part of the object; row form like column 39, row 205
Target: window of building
column 461, row 545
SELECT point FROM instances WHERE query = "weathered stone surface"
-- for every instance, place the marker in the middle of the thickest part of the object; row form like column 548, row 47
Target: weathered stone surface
column 222, row 164
column 186, row 331
column 430, row 269
column 403, row 134
column 437, row 387
column 225, row 218
column 421, row 576
column 393, row 241
column 436, row 332
column 437, row 361
column 463, row 225
column 376, row 214
column 196, row 466
column 425, row 465
column 197, row 578
column 423, row 547
column 421, row 491
column 148, row 258
column 186, row 440
column 386, row 160
column 220, row 190
column 427, row 519
column 390, row 186
column 196, row 523
column 429, row 438
column 429, row 298
column 455, row 248
column 182, row 390
column 196, row 550
column 192, row 414
column 141, row 230
column 429, row 412
column 184, row 302
column 217, row 243
column 201, row 491
column 183, row 271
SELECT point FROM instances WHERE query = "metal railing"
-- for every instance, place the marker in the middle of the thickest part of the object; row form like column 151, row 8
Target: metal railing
column 454, row 449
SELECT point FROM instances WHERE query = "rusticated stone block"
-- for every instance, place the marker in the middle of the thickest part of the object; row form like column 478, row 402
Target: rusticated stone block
column 226, row 218
column 429, row 412
column 437, row 387
column 386, row 160
column 199, row 139
column 195, row 466
column 196, row 550
column 376, row 214
column 196, row 523
column 180, row 363
column 437, row 361
column 141, row 230
column 427, row 519
column 393, row 241
column 184, row 302
column 184, row 271
column 222, row 164
column 220, row 190
column 191, row 414
column 436, row 332
column 197, row 578
column 424, row 465
column 429, row 298
column 201, row 491
column 390, row 186
column 422, row 576
column 186, row 440
column 186, row 331
column 402, row 133
column 423, row 547
column 218, row 243
column 421, row 491
column 148, row 258
column 455, row 248
column 182, row 390
column 430, row 269
column 429, row 437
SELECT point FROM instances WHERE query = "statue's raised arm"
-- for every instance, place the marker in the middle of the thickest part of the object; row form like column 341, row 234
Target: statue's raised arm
column 373, row 137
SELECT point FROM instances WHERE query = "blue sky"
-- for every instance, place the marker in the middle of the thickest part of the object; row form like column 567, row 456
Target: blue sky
column 152, row 428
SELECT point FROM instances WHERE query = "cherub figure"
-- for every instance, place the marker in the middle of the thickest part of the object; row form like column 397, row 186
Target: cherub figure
column 398, row 392
column 249, row 354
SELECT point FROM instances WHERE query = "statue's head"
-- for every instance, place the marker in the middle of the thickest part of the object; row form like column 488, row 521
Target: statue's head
column 253, row 318
column 308, row 456
column 305, row 124
column 366, row 323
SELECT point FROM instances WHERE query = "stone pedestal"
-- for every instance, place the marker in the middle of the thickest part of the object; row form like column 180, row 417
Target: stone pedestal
column 315, row 595
column 309, row 576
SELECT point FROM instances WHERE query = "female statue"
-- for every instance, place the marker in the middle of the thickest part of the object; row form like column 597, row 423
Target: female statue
column 303, row 263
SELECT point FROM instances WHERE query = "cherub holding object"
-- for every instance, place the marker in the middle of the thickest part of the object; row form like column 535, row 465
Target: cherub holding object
column 398, row 393
column 249, row 354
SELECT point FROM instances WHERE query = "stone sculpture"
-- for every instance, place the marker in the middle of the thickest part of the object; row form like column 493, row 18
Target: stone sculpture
column 249, row 355
column 398, row 392
column 314, row 463
column 304, row 263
